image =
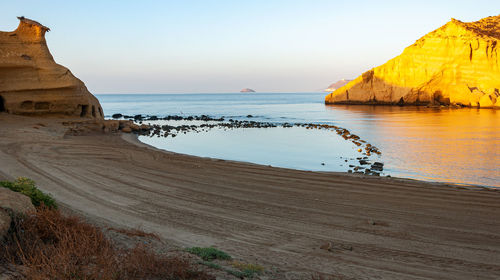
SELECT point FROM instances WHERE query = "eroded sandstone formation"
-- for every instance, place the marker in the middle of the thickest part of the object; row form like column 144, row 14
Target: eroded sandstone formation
column 31, row 82
column 455, row 64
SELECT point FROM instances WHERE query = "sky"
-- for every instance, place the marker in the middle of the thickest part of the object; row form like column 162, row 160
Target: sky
column 203, row 46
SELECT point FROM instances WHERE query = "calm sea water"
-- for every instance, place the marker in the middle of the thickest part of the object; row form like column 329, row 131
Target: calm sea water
column 445, row 145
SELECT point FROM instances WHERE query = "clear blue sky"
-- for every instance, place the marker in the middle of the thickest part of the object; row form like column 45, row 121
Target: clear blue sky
column 224, row 46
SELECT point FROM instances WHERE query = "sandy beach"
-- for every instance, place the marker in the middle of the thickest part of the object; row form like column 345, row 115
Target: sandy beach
column 378, row 228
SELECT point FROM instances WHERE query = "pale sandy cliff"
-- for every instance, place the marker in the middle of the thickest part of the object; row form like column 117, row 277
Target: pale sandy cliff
column 455, row 64
column 31, row 82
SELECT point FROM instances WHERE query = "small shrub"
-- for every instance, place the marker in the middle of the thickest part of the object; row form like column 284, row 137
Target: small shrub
column 238, row 274
column 211, row 264
column 241, row 274
column 27, row 187
column 248, row 269
column 209, row 253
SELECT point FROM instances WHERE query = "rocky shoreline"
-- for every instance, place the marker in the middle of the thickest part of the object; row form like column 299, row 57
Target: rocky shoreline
column 127, row 123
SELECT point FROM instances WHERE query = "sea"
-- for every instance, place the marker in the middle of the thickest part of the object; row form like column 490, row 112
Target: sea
column 459, row 146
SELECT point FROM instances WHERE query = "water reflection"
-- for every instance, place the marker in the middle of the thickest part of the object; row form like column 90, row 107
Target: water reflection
column 452, row 145
column 293, row 147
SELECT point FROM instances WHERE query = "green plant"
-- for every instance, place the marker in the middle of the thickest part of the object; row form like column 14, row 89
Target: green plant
column 27, row 187
column 241, row 274
column 211, row 264
column 248, row 269
column 209, row 253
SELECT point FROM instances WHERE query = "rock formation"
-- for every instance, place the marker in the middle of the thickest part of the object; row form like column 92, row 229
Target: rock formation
column 31, row 82
column 337, row 84
column 247, row 90
column 12, row 203
column 455, row 64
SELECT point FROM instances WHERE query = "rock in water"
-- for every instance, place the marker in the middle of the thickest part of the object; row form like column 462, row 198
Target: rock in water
column 31, row 82
column 455, row 64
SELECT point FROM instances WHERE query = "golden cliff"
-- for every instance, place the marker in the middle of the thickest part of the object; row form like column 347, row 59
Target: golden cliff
column 32, row 83
column 455, row 64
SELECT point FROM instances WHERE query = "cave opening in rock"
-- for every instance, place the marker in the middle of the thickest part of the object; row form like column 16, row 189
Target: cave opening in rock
column 85, row 109
column 27, row 105
column 2, row 104
column 42, row 105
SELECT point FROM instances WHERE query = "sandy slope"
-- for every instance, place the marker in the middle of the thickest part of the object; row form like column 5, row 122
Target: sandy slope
column 397, row 229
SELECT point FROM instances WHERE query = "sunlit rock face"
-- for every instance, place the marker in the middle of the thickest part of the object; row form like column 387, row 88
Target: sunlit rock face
column 32, row 83
column 455, row 64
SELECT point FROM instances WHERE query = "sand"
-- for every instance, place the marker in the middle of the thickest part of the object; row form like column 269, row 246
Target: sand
column 379, row 228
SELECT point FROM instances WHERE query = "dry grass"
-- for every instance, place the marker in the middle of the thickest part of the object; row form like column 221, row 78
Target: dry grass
column 248, row 267
column 53, row 246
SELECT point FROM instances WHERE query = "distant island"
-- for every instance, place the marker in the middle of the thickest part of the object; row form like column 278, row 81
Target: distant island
column 247, row 90
column 337, row 84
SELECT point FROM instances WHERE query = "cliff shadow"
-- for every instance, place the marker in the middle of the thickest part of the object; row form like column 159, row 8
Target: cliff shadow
column 372, row 90
column 2, row 104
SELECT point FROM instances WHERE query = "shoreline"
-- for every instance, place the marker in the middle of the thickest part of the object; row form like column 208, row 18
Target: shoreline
column 134, row 139
column 378, row 227
column 364, row 162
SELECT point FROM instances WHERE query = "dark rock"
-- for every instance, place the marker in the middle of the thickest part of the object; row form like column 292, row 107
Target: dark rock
column 378, row 166
column 116, row 116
